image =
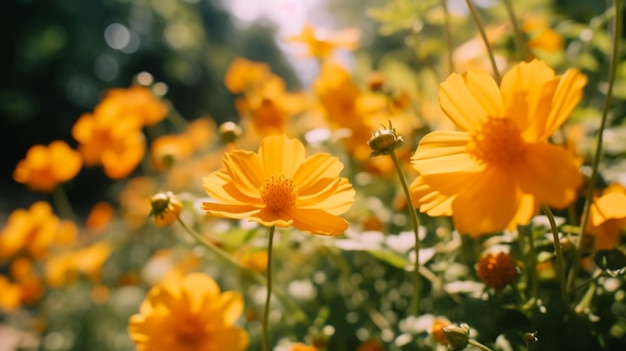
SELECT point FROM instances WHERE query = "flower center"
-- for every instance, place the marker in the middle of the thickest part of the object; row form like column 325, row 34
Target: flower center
column 191, row 331
column 498, row 141
column 279, row 193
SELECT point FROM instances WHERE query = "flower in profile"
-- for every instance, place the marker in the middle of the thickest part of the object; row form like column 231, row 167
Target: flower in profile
column 280, row 186
column 321, row 44
column 497, row 270
column 165, row 208
column 45, row 167
column 607, row 217
column 186, row 314
column 500, row 167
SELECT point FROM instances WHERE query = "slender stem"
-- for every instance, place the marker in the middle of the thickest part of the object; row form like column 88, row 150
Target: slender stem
column 532, row 269
column 517, row 32
column 447, row 33
column 62, row 203
column 597, row 276
column 483, row 34
column 413, row 214
column 266, row 309
column 617, row 25
column 294, row 307
column 559, row 255
column 478, row 345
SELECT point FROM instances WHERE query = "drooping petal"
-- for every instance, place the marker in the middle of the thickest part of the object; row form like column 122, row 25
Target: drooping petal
column 521, row 88
column 487, row 204
column 316, row 221
column 245, row 170
column 549, row 173
column 466, row 108
column 269, row 218
column 527, row 209
column 316, row 167
column 429, row 201
column 280, row 154
column 237, row 211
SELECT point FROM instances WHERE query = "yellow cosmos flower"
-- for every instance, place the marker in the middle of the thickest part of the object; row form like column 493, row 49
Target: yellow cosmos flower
column 280, row 186
column 187, row 314
column 499, row 168
column 45, row 167
column 607, row 218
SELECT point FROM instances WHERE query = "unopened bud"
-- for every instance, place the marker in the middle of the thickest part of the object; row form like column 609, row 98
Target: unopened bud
column 229, row 132
column 457, row 336
column 165, row 208
column 384, row 141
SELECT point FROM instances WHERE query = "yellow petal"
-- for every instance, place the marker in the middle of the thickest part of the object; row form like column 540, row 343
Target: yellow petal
column 488, row 203
column 244, row 169
column 280, row 155
column 315, row 221
column 316, row 167
column 612, row 205
column 229, row 307
column 520, row 89
column 198, row 289
column 466, row 108
column 335, row 199
column 268, row 218
column 429, row 201
column 237, row 211
column 220, row 187
column 549, row 173
column 568, row 94
column 527, row 209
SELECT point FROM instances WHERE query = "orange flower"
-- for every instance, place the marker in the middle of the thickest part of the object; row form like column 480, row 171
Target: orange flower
column 371, row 345
column 166, row 150
column 540, row 35
column 298, row 346
column 34, row 230
column 165, row 208
column 607, row 217
column 99, row 217
column 243, row 75
column 497, row 270
column 134, row 102
column 66, row 267
column 499, row 168
column 10, row 297
column 436, row 331
column 113, row 141
column 135, row 201
column 280, row 186
column 187, row 314
column 46, row 167
column 321, row 45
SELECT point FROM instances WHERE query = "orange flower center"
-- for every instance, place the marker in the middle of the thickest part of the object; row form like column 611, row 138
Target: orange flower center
column 191, row 331
column 497, row 141
column 279, row 193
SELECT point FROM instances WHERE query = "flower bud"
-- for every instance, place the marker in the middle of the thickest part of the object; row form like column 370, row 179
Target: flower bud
column 229, row 132
column 165, row 208
column 457, row 336
column 384, row 141
column 497, row 270
column 530, row 337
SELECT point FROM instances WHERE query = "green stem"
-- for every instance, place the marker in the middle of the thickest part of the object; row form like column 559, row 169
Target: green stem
column 559, row 255
column 532, row 265
column 478, row 345
column 447, row 33
column 266, row 309
column 517, row 32
column 597, row 276
column 617, row 25
column 483, row 34
column 294, row 307
column 413, row 214
column 62, row 203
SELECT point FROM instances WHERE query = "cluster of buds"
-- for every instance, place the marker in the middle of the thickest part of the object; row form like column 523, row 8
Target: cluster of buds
column 384, row 141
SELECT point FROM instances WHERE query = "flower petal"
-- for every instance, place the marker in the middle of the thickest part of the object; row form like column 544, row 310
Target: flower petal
column 237, row 211
column 467, row 99
column 244, row 169
column 222, row 188
column 316, row 167
column 269, row 218
column 335, row 199
column 568, row 94
column 198, row 289
column 315, row 221
column 487, row 204
column 429, row 201
column 280, row 154
column 549, row 173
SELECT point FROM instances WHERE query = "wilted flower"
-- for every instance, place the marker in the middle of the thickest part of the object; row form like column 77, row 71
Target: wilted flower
column 45, row 167
column 502, row 149
column 497, row 270
column 280, row 186
column 187, row 314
